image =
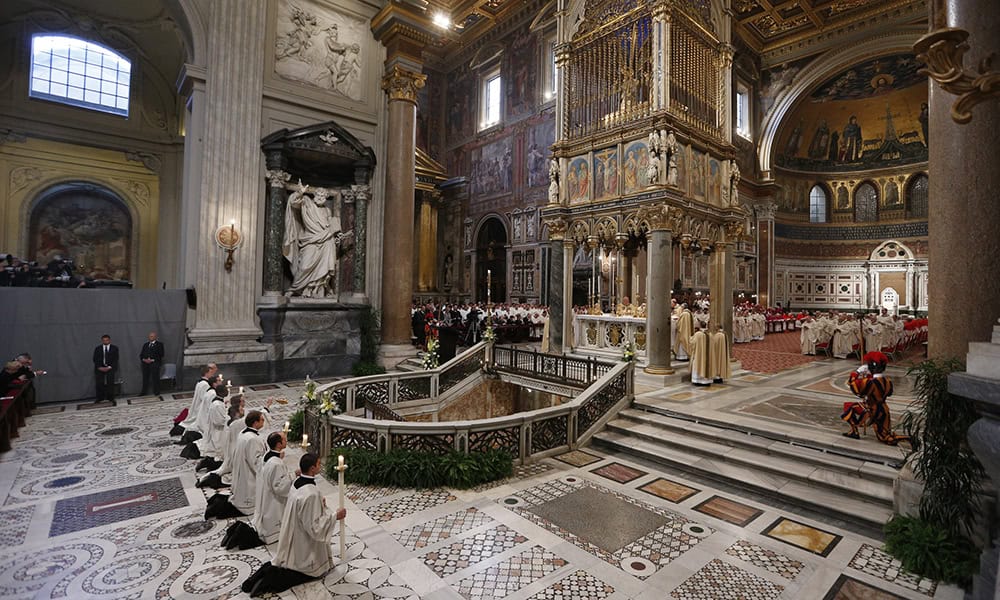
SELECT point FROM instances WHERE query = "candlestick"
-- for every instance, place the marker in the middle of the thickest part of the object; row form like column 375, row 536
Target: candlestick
column 287, row 427
column 241, row 390
column 229, row 383
column 341, row 467
column 305, row 440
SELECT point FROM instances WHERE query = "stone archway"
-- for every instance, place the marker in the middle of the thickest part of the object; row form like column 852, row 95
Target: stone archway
column 491, row 256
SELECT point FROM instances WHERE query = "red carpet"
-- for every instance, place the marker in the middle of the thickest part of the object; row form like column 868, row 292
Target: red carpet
column 776, row 352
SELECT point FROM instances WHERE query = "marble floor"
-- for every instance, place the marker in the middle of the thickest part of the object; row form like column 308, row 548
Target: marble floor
column 96, row 503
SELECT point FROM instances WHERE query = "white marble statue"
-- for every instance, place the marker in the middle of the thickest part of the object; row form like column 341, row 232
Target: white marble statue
column 734, row 178
column 295, row 43
column 553, row 181
column 671, row 148
column 310, row 243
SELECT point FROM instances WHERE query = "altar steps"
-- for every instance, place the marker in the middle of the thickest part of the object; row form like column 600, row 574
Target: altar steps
column 849, row 488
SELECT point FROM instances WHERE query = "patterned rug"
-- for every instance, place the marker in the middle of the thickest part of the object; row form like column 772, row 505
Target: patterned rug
column 776, row 352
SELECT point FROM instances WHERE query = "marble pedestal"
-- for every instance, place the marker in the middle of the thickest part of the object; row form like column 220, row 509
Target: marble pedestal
column 302, row 337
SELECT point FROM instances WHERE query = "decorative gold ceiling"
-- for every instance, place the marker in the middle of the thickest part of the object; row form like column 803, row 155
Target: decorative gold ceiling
column 770, row 23
column 468, row 15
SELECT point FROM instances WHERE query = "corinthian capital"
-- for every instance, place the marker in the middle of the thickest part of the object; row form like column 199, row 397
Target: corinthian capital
column 557, row 228
column 277, row 177
column 403, row 85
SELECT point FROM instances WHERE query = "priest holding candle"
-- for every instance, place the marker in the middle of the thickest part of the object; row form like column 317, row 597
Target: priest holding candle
column 303, row 552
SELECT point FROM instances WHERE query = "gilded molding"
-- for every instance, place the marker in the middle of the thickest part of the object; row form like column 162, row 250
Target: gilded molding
column 943, row 52
column 403, row 85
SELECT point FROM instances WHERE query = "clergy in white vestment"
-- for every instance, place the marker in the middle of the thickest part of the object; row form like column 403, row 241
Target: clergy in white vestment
column 246, row 461
column 202, row 418
column 222, row 476
column 307, row 524
column 214, row 435
column 699, row 358
column 546, row 329
column 273, row 484
column 207, row 372
column 682, row 343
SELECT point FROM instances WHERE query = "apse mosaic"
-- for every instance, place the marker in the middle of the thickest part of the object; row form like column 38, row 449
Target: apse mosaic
column 871, row 115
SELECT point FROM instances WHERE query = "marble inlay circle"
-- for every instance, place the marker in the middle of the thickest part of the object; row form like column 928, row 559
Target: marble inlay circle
column 54, row 562
column 211, row 579
column 126, row 573
column 512, row 501
column 571, row 479
column 638, row 566
column 68, row 458
column 192, row 529
column 169, row 463
column 62, row 482
column 73, row 445
column 697, row 530
column 116, row 461
column 116, row 431
column 44, row 567
column 161, row 443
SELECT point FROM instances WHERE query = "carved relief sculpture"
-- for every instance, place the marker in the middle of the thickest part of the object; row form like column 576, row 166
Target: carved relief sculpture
column 671, row 148
column 734, row 178
column 653, row 169
column 553, row 181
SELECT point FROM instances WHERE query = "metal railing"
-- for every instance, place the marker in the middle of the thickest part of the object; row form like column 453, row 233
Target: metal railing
column 569, row 370
column 528, row 435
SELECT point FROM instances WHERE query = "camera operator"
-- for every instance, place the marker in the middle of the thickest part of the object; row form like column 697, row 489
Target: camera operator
column 60, row 272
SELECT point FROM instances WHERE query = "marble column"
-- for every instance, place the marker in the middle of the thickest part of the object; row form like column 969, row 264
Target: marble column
column 397, row 267
column 274, row 223
column 661, row 276
column 568, row 253
column 427, row 247
column 555, row 285
column 964, row 215
column 361, row 193
column 765, row 252
column 721, row 289
column 225, row 327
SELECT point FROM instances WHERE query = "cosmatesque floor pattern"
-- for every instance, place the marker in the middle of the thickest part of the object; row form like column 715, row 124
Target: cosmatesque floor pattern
column 98, row 504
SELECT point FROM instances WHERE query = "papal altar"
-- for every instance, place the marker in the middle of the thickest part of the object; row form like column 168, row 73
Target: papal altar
column 609, row 334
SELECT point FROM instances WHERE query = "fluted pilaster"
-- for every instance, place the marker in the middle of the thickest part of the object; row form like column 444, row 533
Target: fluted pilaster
column 225, row 320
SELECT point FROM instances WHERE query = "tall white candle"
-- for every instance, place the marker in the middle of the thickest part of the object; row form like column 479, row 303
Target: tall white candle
column 340, row 486
column 305, row 440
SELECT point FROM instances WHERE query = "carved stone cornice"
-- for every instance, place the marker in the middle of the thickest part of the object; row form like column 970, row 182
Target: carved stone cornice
column 943, row 52
column 148, row 160
column 766, row 211
column 661, row 217
column 402, row 84
column 9, row 135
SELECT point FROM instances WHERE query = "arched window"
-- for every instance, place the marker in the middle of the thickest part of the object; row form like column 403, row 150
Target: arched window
column 865, row 203
column 916, row 197
column 817, row 204
column 79, row 73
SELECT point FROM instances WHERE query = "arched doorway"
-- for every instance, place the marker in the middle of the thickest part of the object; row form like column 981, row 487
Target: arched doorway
column 491, row 255
column 86, row 223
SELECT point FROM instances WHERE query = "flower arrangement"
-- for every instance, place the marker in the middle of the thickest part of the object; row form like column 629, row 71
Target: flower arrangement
column 489, row 336
column 327, row 405
column 628, row 355
column 431, row 358
column 309, row 396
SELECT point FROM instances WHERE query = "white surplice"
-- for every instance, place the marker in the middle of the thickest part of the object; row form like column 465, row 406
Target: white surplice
column 273, row 484
column 306, row 526
column 246, row 460
column 195, row 409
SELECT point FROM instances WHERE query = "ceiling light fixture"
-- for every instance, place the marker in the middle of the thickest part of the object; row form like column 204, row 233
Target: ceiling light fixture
column 442, row 20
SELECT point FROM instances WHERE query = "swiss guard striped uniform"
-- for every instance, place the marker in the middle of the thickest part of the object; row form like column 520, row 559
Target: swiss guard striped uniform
column 872, row 410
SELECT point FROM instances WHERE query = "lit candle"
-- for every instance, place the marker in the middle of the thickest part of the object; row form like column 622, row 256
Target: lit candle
column 340, row 461
column 241, row 389
column 288, row 427
column 305, row 440
column 229, row 383
column 232, row 231
column 340, row 486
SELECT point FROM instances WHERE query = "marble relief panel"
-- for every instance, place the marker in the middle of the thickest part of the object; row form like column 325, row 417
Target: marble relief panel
column 321, row 47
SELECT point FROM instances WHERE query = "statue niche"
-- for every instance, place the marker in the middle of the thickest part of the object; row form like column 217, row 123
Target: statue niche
column 313, row 240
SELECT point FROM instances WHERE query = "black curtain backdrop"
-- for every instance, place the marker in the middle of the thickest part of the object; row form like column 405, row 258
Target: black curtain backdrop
column 61, row 327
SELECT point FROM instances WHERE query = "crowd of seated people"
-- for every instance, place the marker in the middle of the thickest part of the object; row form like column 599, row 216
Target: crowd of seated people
column 511, row 322
column 841, row 334
column 59, row 272
column 17, row 396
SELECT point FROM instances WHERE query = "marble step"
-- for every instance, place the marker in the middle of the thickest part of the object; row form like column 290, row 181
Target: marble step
column 743, row 462
column 756, row 444
column 845, row 505
column 889, row 456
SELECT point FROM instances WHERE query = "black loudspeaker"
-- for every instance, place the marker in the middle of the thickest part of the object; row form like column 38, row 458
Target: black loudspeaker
column 192, row 298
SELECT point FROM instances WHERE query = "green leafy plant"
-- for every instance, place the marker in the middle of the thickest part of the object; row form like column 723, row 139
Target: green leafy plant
column 420, row 470
column 938, row 421
column 931, row 551
column 363, row 369
column 295, row 424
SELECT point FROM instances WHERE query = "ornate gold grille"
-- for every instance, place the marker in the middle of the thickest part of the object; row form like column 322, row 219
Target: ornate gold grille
column 695, row 72
column 609, row 75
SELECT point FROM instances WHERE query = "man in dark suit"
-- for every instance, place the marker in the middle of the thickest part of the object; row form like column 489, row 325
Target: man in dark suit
column 151, row 357
column 105, row 369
